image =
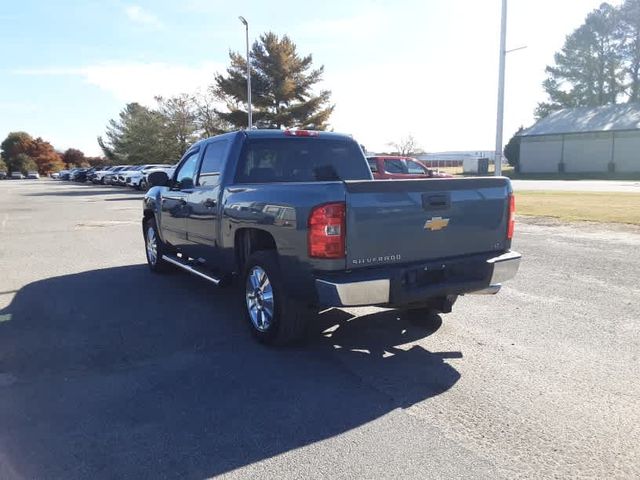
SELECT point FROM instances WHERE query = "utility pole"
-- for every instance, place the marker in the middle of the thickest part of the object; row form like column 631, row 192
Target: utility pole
column 250, row 117
column 500, row 116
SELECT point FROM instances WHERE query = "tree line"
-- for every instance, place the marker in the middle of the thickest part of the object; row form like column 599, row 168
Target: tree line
column 282, row 95
column 599, row 63
column 20, row 152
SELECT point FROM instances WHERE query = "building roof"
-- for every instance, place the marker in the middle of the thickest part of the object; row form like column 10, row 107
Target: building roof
column 607, row 118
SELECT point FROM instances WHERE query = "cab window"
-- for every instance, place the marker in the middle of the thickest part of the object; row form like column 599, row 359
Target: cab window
column 415, row 168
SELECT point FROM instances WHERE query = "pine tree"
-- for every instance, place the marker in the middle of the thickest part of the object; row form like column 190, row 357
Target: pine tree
column 588, row 71
column 139, row 135
column 512, row 149
column 630, row 30
column 282, row 84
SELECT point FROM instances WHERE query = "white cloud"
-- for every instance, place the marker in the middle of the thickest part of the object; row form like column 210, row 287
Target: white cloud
column 364, row 24
column 139, row 15
column 138, row 81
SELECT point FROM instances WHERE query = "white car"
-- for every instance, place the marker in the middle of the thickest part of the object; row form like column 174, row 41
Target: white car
column 133, row 178
column 99, row 175
column 168, row 169
column 33, row 175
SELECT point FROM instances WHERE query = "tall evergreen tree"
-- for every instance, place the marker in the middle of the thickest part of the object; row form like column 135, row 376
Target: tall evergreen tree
column 282, row 84
column 630, row 30
column 588, row 70
column 138, row 136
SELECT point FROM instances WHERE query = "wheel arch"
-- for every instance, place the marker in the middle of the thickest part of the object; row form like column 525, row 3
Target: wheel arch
column 249, row 240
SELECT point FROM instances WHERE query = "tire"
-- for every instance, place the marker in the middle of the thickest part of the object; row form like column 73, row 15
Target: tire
column 142, row 185
column 274, row 317
column 155, row 248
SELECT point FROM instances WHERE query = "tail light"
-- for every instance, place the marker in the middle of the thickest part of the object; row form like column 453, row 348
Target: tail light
column 512, row 216
column 327, row 232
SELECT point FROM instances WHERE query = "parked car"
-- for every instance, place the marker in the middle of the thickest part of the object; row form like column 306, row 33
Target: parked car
column 3, row 174
column 55, row 175
column 111, row 177
column 122, row 174
column 16, row 176
column 98, row 175
column 64, row 175
column 90, row 172
column 168, row 169
column 136, row 178
column 33, row 175
column 78, row 175
column 396, row 167
column 297, row 218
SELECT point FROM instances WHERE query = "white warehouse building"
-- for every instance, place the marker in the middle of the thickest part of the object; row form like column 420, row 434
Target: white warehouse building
column 584, row 140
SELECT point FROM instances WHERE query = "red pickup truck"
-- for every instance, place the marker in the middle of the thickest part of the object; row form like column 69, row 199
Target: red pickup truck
column 390, row 167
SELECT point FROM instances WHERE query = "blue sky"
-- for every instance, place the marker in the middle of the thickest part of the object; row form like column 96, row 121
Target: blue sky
column 426, row 68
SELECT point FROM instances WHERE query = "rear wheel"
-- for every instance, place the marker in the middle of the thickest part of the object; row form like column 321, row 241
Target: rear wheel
column 155, row 248
column 273, row 316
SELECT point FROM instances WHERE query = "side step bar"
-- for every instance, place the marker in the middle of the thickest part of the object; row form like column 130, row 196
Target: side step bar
column 190, row 269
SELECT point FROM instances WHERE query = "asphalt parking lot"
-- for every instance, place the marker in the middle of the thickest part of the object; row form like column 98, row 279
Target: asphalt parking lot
column 108, row 371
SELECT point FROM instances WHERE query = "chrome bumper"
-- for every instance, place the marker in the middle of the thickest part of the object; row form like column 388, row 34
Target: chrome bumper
column 377, row 292
column 505, row 268
column 354, row 294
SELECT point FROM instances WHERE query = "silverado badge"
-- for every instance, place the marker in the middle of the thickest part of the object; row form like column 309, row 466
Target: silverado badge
column 436, row 223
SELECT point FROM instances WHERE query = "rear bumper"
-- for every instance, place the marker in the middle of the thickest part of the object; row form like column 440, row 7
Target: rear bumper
column 417, row 283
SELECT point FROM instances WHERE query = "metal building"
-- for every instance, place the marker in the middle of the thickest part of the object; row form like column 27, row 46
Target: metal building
column 602, row 139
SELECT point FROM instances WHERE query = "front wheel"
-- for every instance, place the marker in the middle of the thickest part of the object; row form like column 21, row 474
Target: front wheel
column 273, row 316
column 154, row 248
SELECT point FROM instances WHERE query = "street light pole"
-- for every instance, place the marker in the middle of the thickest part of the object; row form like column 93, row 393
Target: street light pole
column 500, row 116
column 250, row 117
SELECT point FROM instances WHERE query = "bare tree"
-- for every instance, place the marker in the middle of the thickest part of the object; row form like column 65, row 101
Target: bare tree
column 407, row 146
column 208, row 121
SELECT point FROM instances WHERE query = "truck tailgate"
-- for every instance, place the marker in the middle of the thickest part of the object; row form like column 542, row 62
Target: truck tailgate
column 401, row 221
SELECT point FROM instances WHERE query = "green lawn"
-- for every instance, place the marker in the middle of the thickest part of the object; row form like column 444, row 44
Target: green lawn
column 590, row 206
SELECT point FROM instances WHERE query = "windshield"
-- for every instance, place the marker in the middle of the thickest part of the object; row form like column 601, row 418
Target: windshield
column 300, row 160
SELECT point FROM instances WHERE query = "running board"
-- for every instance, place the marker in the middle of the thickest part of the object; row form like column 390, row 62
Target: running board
column 190, row 269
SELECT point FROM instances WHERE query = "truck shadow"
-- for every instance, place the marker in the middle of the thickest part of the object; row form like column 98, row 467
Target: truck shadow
column 118, row 373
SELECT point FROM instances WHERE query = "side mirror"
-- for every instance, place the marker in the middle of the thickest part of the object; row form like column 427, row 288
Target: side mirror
column 158, row 179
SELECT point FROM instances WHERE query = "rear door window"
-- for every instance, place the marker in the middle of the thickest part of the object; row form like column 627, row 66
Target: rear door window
column 212, row 163
column 266, row 160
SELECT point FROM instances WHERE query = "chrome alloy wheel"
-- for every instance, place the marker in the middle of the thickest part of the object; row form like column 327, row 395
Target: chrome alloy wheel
column 259, row 298
column 152, row 246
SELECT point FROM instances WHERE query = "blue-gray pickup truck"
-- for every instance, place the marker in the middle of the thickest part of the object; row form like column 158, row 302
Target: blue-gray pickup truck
column 297, row 216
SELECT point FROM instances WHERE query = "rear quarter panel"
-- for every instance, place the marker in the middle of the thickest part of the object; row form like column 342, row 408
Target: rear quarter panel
column 282, row 210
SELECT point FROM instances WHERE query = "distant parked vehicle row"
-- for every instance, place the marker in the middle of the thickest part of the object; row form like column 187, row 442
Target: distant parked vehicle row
column 134, row 176
column 18, row 175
